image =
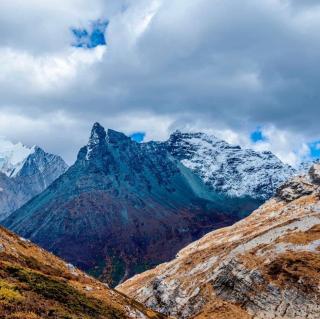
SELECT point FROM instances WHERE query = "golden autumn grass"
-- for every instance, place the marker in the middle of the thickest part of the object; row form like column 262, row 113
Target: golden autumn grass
column 286, row 260
column 35, row 284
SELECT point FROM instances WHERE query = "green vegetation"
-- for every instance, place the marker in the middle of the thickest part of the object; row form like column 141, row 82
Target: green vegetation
column 9, row 293
column 37, row 285
column 63, row 300
column 56, row 290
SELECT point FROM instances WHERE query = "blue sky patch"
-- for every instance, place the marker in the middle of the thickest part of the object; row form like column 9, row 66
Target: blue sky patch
column 314, row 149
column 138, row 136
column 257, row 136
column 92, row 36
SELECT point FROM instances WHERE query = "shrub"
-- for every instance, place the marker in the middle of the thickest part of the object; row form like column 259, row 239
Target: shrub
column 9, row 293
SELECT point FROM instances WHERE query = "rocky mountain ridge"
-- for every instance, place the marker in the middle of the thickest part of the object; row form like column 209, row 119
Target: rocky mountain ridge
column 229, row 169
column 123, row 207
column 265, row 266
column 24, row 173
column 224, row 168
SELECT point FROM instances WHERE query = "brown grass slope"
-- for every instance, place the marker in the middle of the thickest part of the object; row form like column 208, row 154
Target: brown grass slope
column 35, row 284
column 265, row 266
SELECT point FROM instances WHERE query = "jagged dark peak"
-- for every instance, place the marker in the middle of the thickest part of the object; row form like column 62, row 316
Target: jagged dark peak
column 99, row 141
column 98, row 134
column 114, row 137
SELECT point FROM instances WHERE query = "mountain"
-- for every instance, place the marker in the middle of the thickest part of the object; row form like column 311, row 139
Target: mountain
column 35, row 284
column 12, row 156
column 24, row 173
column 305, row 166
column 229, row 169
column 265, row 266
column 123, row 207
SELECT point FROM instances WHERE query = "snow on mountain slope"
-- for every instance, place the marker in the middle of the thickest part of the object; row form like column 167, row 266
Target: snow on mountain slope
column 12, row 156
column 24, row 173
column 229, row 169
column 266, row 266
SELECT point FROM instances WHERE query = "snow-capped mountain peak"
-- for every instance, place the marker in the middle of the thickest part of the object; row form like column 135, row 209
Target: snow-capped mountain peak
column 25, row 172
column 12, row 156
column 228, row 168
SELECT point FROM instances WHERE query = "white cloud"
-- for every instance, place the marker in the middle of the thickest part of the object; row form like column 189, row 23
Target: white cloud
column 289, row 147
column 43, row 26
column 221, row 66
column 45, row 72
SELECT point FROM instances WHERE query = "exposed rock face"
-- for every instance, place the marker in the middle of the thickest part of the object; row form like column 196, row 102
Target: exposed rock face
column 315, row 173
column 265, row 266
column 123, row 207
column 300, row 185
column 305, row 166
column 24, row 173
column 35, row 284
column 294, row 189
column 229, row 169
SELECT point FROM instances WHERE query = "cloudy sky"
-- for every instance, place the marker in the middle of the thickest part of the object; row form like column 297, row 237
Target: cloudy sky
column 247, row 71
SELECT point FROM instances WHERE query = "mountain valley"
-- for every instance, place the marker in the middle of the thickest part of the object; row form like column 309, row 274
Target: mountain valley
column 34, row 284
column 265, row 266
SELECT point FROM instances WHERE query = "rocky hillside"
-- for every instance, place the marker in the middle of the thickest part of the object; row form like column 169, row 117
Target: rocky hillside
column 122, row 208
column 229, row 169
column 34, row 284
column 265, row 266
column 24, row 173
